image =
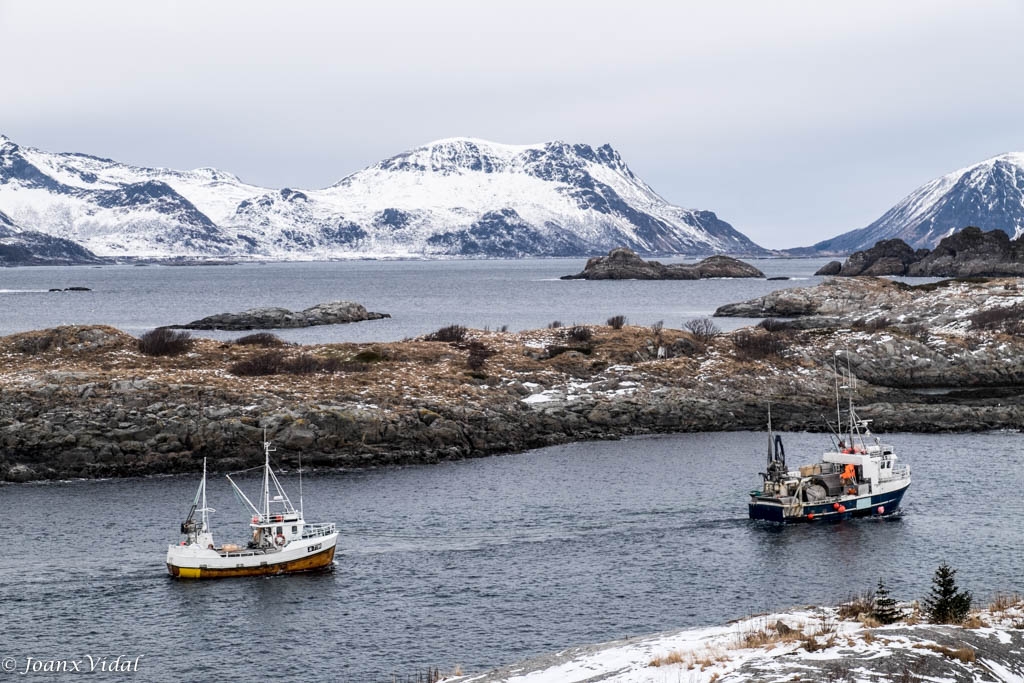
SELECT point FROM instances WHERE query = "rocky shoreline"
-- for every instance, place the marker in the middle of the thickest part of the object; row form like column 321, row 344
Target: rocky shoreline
column 85, row 402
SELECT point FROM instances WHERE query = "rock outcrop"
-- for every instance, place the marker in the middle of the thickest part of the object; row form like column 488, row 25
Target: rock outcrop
column 972, row 252
column 624, row 264
column 830, row 268
column 333, row 313
column 888, row 257
column 949, row 306
column 967, row 253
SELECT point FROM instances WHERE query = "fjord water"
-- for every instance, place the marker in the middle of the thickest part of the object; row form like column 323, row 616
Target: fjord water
column 420, row 295
column 485, row 562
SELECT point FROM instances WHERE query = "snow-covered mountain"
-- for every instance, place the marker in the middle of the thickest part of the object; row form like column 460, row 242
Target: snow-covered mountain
column 458, row 196
column 989, row 195
column 20, row 247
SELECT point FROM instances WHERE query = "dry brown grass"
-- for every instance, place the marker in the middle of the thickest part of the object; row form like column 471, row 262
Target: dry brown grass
column 673, row 657
column 869, row 621
column 862, row 603
column 1003, row 601
column 691, row 660
column 974, row 621
column 964, row 654
column 868, row 637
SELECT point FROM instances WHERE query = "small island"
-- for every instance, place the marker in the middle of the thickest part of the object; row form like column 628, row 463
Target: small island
column 334, row 313
column 624, row 264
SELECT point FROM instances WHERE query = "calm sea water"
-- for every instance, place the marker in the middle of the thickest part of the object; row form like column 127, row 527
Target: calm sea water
column 420, row 295
column 485, row 562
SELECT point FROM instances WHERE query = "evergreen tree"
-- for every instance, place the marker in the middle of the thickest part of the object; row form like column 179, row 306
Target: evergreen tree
column 885, row 611
column 947, row 604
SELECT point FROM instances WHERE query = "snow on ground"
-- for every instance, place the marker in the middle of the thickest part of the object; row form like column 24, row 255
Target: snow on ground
column 815, row 643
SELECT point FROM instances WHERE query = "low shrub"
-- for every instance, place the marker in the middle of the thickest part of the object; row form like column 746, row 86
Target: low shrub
column 276, row 363
column 579, row 333
column 35, row 343
column 862, row 603
column 269, row 363
column 478, row 355
column 1008, row 318
column 260, row 339
column 616, row 322
column 755, row 346
column 558, row 349
column 164, row 341
column 307, row 364
column 702, row 329
column 369, row 356
column 554, row 324
column 451, row 333
column 657, row 327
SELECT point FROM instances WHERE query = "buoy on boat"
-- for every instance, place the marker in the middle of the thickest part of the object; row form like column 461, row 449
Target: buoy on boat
column 810, row 515
column 881, row 509
column 835, row 506
column 842, row 508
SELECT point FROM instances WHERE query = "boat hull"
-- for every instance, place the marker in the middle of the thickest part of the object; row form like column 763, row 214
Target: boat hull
column 314, row 554
column 856, row 506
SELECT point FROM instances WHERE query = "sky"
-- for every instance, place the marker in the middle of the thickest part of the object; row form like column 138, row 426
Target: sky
column 792, row 120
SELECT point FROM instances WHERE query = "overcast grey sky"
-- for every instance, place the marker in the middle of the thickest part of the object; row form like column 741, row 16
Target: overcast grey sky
column 794, row 121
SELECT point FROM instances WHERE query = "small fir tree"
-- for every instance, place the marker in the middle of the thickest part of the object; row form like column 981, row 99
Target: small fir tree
column 885, row 611
column 947, row 604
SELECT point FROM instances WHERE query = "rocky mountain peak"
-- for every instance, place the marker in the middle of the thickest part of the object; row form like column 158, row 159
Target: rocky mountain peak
column 988, row 194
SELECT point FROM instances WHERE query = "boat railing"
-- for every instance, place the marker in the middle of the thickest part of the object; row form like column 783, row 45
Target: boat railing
column 315, row 530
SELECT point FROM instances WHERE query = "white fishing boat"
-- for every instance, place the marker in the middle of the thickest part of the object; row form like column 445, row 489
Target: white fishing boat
column 281, row 542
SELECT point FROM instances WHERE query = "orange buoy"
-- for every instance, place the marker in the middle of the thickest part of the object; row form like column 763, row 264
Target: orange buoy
column 881, row 509
column 810, row 515
column 842, row 508
column 835, row 506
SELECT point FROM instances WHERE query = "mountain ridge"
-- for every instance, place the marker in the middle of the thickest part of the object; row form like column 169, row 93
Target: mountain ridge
column 451, row 197
column 988, row 194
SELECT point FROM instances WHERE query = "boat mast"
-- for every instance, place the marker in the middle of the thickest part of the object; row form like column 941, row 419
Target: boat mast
column 266, row 475
column 302, row 514
column 835, row 367
column 206, row 521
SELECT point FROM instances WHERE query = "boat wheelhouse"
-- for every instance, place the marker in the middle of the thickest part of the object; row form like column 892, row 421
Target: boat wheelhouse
column 281, row 541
